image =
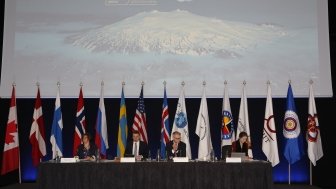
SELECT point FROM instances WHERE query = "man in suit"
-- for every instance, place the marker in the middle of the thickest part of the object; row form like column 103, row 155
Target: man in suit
column 136, row 148
column 176, row 148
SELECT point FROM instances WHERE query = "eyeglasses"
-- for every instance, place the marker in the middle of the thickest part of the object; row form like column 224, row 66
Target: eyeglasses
column 177, row 138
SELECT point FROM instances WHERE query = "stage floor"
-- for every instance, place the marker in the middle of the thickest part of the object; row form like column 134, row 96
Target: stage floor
column 276, row 186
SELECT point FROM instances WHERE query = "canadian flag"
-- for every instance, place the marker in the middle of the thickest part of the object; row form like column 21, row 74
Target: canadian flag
column 10, row 159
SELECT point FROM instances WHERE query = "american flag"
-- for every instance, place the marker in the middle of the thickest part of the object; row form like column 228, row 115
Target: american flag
column 139, row 123
column 80, row 122
column 164, row 126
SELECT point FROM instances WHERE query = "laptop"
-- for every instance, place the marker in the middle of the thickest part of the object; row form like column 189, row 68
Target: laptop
column 242, row 155
column 128, row 155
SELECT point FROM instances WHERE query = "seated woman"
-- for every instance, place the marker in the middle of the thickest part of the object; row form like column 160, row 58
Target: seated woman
column 87, row 150
column 242, row 144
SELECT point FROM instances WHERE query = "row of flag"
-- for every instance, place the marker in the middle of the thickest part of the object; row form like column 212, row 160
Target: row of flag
column 291, row 128
column 293, row 148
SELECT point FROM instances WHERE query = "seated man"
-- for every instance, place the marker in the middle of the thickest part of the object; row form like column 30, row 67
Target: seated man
column 176, row 148
column 87, row 150
column 136, row 148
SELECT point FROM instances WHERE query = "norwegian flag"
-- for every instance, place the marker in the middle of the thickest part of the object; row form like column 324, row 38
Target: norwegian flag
column 80, row 124
column 37, row 134
column 139, row 123
column 11, row 153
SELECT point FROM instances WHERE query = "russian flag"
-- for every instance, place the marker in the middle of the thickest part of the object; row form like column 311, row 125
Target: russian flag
column 101, row 126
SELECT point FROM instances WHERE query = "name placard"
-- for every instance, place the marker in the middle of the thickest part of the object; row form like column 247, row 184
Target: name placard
column 127, row 159
column 233, row 160
column 180, row 159
column 68, row 160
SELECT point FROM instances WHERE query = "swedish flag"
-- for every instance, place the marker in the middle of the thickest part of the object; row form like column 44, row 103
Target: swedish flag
column 122, row 133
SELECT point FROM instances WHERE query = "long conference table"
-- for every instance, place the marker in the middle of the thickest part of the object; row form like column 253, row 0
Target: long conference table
column 173, row 175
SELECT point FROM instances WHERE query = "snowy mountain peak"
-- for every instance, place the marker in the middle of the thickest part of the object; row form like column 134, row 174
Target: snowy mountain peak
column 177, row 32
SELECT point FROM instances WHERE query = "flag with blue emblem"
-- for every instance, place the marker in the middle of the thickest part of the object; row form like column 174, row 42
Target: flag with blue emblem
column 101, row 126
column 291, row 130
column 122, row 133
column 164, row 126
column 227, row 130
column 57, row 127
column 181, row 122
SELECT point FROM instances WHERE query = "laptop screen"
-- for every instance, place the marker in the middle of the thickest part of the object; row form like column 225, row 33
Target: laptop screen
column 238, row 154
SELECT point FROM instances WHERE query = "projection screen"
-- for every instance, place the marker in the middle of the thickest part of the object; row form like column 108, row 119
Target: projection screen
column 152, row 41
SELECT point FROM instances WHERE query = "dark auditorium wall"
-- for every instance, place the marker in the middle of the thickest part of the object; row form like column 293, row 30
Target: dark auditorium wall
column 153, row 109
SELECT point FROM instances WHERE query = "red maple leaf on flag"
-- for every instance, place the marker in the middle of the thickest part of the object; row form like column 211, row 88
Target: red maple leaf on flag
column 11, row 128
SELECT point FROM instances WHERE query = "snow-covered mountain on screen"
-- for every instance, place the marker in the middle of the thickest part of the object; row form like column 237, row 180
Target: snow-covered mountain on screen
column 177, row 32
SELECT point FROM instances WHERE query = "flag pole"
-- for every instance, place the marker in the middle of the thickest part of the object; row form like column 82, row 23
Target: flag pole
column 268, row 83
column 289, row 180
column 310, row 174
column 310, row 163
column 38, row 87
column 17, row 124
column 289, row 82
column 161, row 139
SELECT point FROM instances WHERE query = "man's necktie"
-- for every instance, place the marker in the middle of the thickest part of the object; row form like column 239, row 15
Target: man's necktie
column 135, row 149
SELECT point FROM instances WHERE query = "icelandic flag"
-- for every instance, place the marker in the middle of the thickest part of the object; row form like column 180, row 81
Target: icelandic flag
column 291, row 131
column 57, row 127
column 101, row 126
column 164, row 126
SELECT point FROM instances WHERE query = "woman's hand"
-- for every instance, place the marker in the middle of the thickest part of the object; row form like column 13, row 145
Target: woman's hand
column 249, row 146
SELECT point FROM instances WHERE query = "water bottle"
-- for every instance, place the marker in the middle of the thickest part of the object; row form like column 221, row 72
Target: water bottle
column 97, row 155
column 158, row 157
column 212, row 155
column 149, row 156
column 57, row 158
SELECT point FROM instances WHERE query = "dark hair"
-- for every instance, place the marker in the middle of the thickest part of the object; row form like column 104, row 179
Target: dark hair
column 136, row 132
column 242, row 134
column 88, row 135
column 176, row 132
